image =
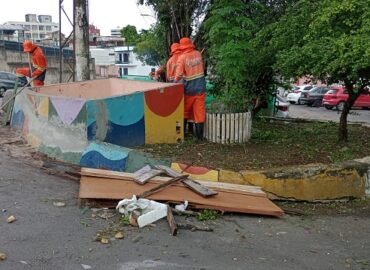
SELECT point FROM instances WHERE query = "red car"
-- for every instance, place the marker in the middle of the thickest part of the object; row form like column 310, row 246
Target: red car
column 337, row 96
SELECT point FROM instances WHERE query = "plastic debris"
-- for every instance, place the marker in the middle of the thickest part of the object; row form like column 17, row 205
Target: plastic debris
column 147, row 211
column 182, row 207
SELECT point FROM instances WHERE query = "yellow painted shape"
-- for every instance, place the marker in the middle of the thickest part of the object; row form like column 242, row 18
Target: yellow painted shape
column 160, row 129
column 231, row 177
column 331, row 184
column 33, row 140
column 211, row 176
column 43, row 108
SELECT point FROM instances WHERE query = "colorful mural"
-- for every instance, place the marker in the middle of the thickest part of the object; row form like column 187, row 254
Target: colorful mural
column 83, row 124
column 197, row 173
column 105, row 156
column 117, row 120
column 164, row 114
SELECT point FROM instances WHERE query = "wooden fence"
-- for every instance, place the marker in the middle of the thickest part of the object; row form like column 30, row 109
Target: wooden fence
column 228, row 127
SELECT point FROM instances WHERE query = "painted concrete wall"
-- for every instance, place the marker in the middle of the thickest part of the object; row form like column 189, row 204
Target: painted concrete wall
column 91, row 119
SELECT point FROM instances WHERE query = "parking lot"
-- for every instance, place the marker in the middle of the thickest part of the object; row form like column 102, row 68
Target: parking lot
column 320, row 113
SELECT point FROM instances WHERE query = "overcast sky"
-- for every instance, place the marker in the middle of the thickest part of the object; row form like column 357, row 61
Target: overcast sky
column 104, row 14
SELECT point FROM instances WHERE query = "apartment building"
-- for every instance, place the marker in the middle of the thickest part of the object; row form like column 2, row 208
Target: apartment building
column 37, row 28
column 128, row 63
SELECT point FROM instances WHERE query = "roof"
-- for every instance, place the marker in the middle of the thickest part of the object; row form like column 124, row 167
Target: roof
column 7, row 27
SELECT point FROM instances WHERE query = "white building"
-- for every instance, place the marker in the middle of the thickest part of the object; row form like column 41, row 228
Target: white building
column 37, row 28
column 128, row 63
column 115, row 32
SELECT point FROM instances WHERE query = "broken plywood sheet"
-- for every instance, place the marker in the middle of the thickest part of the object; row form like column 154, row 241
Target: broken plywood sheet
column 226, row 187
column 100, row 187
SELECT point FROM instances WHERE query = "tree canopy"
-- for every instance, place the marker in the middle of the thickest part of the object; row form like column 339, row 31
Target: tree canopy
column 334, row 47
column 130, row 34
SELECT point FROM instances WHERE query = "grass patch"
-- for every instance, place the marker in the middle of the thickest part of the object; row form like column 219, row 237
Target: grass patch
column 272, row 144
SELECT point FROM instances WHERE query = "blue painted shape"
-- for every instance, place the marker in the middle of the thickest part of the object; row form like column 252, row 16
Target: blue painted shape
column 17, row 119
column 127, row 136
column 122, row 110
column 125, row 110
column 105, row 156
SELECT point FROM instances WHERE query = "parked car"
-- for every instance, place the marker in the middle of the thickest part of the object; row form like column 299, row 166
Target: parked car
column 314, row 96
column 7, row 81
column 338, row 95
column 281, row 107
column 295, row 96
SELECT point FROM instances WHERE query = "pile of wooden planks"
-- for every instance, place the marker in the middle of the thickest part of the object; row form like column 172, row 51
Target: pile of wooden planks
column 110, row 185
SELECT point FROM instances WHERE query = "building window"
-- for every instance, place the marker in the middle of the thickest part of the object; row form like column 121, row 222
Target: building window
column 41, row 28
column 34, row 27
column 27, row 27
column 48, row 28
column 123, row 58
column 28, row 36
column 123, row 71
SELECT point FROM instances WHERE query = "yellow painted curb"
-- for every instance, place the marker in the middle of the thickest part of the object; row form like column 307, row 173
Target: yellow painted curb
column 301, row 183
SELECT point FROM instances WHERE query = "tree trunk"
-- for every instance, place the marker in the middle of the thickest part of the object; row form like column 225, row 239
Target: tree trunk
column 352, row 96
column 82, row 41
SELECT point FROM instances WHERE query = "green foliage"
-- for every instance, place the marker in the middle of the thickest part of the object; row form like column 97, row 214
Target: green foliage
column 130, row 34
column 333, row 46
column 150, row 47
column 208, row 214
column 125, row 221
column 241, row 59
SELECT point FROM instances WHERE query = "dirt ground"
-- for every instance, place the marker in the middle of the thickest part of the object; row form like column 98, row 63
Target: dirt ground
column 52, row 231
column 273, row 144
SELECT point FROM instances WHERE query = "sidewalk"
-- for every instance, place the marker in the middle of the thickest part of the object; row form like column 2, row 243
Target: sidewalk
column 45, row 236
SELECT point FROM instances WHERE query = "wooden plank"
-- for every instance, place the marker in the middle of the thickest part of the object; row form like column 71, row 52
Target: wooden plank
column 236, row 134
column 193, row 185
column 245, row 127
column 241, row 127
column 142, row 170
column 145, row 177
column 249, row 125
column 219, row 186
column 232, row 129
column 112, row 189
column 214, row 128
column 223, row 128
column 227, row 135
column 161, row 186
column 199, row 188
column 218, row 131
column 171, row 221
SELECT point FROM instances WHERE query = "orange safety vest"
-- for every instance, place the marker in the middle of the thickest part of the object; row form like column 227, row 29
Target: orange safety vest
column 190, row 69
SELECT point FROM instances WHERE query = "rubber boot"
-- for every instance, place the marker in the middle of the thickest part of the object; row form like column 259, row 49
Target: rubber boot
column 186, row 127
column 199, row 129
column 191, row 128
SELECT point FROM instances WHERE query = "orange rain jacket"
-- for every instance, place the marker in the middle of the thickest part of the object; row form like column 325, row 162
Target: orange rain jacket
column 38, row 67
column 38, row 62
column 172, row 62
column 190, row 69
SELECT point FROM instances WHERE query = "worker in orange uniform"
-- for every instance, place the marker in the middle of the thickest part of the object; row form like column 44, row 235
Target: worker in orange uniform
column 171, row 63
column 39, row 65
column 190, row 71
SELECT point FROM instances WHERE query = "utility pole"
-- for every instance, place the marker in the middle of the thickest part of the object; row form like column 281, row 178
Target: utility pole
column 81, row 30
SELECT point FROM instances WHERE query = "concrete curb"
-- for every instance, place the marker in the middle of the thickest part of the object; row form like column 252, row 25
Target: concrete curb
column 313, row 182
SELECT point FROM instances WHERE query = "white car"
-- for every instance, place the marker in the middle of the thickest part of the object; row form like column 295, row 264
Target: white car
column 295, row 96
column 281, row 107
